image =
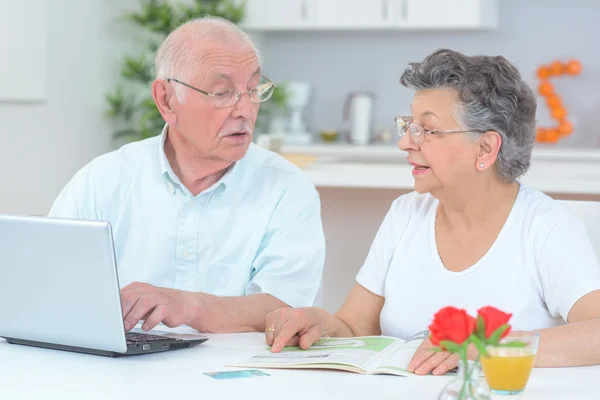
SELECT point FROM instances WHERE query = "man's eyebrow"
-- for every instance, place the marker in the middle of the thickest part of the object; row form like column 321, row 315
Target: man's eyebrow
column 222, row 75
column 257, row 72
column 228, row 77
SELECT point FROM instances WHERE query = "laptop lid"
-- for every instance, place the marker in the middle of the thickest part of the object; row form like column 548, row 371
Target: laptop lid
column 59, row 283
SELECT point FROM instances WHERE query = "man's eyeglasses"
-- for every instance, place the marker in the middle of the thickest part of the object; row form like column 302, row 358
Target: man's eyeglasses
column 417, row 132
column 223, row 98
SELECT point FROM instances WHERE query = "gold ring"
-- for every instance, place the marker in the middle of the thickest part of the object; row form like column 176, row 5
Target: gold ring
column 271, row 329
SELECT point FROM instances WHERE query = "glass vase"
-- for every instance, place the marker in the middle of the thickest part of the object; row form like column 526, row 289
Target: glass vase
column 469, row 384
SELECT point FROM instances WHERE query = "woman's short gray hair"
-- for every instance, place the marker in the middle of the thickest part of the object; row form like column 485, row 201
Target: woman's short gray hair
column 493, row 97
column 176, row 58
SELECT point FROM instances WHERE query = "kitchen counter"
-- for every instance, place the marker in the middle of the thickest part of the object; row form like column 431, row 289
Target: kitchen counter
column 558, row 171
column 390, row 152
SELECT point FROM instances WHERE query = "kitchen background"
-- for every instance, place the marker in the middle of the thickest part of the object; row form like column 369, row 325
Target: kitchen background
column 529, row 33
column 59, row 123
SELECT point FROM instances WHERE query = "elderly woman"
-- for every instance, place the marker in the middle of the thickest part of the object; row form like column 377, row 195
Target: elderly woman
column 471, row 234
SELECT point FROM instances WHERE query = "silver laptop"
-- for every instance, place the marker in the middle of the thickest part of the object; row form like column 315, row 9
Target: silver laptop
column 59, row 289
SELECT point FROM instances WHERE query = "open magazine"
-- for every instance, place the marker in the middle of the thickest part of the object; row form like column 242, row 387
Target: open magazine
column 364, row 355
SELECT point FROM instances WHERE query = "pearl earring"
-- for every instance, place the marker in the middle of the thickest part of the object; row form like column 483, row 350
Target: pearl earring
column 481, row 165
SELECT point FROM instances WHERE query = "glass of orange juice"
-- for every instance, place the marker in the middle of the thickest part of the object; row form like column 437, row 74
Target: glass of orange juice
column 507, row 368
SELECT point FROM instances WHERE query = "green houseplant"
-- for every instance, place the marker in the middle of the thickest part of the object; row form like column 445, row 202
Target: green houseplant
column 130, row 105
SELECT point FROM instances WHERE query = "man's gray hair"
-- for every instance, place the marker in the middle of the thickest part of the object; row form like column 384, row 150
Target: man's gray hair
column 493, row 97
column 176, row 58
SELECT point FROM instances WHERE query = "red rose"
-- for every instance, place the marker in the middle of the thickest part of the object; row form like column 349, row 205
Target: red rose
column 493, row 319
column 452, row 324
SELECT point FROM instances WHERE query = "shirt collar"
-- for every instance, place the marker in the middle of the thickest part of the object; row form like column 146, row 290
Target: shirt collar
column 173, row 181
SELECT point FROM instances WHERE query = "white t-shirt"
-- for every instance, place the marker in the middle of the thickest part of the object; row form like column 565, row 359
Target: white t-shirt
column 541, row 263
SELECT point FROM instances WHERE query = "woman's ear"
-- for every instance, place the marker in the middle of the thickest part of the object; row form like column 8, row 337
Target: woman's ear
column 489, row 146
column 162, row 94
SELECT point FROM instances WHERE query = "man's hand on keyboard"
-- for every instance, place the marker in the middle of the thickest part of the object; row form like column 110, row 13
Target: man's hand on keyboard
column 141, row 301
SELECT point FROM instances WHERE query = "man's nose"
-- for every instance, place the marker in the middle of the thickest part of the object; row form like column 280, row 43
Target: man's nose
column 244, row 107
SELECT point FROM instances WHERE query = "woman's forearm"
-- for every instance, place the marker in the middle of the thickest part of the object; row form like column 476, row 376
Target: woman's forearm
column 570, row 345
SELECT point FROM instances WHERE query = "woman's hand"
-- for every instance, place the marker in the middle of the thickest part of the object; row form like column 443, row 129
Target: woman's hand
column 425, row 361
column 293, row 327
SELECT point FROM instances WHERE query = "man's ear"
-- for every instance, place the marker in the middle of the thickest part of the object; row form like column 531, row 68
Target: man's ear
column 163, row 97
column 489, row 146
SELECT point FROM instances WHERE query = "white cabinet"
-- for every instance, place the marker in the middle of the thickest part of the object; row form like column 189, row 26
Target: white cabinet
column 23, row 45
column 354, row 14
column 279, row 15
column 444, row 14
column 267, row 15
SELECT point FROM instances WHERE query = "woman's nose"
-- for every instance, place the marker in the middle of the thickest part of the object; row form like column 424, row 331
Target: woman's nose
column 405, row 143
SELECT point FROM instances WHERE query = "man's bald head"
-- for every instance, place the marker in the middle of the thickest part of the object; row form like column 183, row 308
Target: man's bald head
column 179, row 54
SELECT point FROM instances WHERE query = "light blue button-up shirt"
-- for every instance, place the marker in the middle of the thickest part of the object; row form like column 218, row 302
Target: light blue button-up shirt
column 257, row 230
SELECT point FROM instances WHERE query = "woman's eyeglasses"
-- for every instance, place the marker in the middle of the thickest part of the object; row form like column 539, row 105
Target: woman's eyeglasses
column 417, row 132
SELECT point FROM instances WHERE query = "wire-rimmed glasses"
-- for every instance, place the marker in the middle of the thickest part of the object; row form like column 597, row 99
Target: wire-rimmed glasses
column 223, row 98
column 417, row 132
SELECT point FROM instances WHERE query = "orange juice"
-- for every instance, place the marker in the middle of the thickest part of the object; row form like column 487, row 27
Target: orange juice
column 508, row 369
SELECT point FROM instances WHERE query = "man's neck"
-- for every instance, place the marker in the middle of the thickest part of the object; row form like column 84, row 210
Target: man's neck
column 195, row 172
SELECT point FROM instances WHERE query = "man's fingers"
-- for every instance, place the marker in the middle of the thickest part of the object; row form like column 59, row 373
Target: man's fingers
column 431, row 363
column 422, row 354
column 130, row 294
column 270, row 322
column 283, row 334
column 156, row 316
column 293, row 341
column 310, row 337
column 128, row 300
column 142, row 306
column 446, row 365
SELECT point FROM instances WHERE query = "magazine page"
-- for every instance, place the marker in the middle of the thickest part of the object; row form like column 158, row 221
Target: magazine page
column 397, row 360
column 336, row 353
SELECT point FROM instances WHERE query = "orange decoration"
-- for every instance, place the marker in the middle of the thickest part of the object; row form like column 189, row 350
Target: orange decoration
column 540, row 134
column 565, row 128
column 558, row 113
column 557, row 68
column 546, row 88
column 552, row 135
column 573, row 67
column 543, row 73
column 553, row 101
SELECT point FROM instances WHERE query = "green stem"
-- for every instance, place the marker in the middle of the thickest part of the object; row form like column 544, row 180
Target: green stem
column 467, row 386
column 463, row 356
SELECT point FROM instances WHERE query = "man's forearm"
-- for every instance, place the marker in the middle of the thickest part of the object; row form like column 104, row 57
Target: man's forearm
column 213, row 314
column 570, row 345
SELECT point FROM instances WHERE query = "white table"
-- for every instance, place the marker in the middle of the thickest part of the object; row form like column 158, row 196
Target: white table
column 33, row 373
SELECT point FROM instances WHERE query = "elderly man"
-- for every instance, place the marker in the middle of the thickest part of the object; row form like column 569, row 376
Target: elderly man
column 210, row 231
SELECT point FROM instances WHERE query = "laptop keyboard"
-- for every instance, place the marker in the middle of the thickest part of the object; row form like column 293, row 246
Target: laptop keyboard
column 133, row 337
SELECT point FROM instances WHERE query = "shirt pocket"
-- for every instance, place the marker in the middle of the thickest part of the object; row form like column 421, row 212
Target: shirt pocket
column 226, row 280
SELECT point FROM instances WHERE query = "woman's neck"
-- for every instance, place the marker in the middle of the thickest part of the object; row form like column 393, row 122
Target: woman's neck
column 479, row 206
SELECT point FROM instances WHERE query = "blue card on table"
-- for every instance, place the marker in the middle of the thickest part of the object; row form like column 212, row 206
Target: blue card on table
column 248, row 373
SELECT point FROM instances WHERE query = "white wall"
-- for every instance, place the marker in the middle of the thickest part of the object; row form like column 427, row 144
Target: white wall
column 42, row 145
